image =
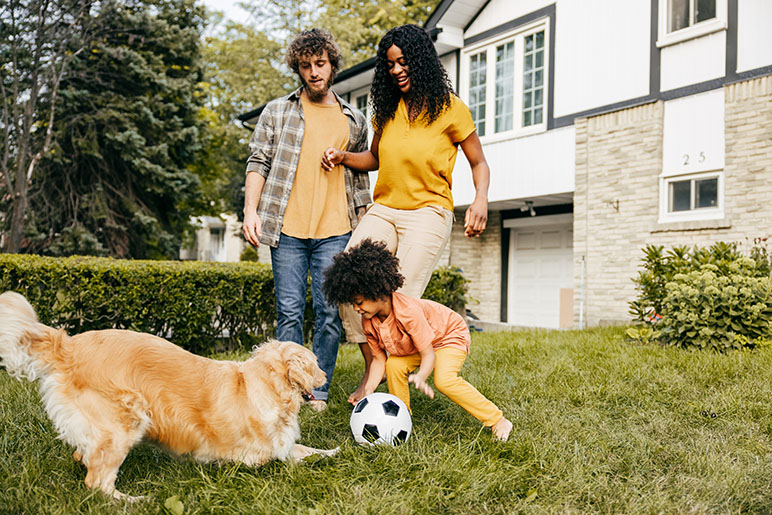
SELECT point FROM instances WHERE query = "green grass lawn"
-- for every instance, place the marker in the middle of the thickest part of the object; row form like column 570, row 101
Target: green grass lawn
column 601, row 425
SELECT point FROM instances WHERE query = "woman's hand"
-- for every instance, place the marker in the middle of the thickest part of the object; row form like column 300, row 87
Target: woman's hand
column 331, row 158
column 476, row 218
column 421, row 385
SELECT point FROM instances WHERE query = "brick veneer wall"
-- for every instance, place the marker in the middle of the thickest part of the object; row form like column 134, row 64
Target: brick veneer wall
column 480, row 260
column 616, row 200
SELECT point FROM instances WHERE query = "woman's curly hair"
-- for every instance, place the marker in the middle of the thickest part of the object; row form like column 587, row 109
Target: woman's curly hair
column 310, row 43
column 367, row 269
column 429, row 83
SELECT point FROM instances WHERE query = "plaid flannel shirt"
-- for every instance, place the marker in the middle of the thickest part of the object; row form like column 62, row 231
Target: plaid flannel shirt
column 275, row 151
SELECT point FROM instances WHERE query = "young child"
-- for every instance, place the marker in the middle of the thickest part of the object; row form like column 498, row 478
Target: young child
column 416, row 333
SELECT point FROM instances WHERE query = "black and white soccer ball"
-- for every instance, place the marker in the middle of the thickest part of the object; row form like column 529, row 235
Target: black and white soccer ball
column 381, row 418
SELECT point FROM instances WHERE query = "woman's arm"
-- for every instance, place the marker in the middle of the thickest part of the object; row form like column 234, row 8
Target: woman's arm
column 477, row 215
column 362, row 161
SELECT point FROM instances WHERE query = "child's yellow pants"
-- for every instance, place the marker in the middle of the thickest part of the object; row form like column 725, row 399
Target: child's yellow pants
column 447, row 365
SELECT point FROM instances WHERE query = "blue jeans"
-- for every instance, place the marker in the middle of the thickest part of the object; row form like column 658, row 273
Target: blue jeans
column 291, row 260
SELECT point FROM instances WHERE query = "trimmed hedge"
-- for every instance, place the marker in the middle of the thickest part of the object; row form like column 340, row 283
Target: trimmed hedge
column 191, row 303
column 197, row 305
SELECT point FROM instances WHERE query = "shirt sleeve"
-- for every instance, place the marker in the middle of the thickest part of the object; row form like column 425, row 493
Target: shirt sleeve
column 417, row 326
column 261, row 144
column 461, row 122
column 372, row 340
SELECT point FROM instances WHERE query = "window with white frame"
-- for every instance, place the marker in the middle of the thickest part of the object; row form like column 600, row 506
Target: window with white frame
column 681, row 20
column 692, row 179
column 506, row 82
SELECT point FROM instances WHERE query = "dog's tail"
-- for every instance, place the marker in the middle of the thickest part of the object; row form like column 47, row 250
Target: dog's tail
column 26, row 346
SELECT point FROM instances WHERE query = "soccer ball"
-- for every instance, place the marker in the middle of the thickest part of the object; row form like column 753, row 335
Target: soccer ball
column 381, row 418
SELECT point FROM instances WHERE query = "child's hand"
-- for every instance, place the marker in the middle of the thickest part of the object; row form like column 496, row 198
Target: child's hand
column 421, row 385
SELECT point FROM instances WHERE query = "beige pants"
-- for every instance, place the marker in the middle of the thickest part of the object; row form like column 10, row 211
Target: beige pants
column 447, row 365
column 416, row 236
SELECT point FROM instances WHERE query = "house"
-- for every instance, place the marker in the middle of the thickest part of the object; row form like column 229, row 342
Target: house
column 218, row 238
column 608, row 126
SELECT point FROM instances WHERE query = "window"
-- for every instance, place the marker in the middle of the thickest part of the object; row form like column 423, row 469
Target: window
column 685, row 13
column 477, row 86
column 533, row 79
column 362, row 103
column 690, row 194
column 506, row 82
column 681, row 20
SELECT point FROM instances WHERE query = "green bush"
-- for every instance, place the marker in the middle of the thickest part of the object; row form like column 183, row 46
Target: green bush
column 197, row 305
column 448, row 286
column 704, row 298
column 720, row 311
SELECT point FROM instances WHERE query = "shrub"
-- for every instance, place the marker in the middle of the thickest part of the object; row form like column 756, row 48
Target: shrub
column 448, row 286
column 710, row 309
column 705, row 297
column 195, row 304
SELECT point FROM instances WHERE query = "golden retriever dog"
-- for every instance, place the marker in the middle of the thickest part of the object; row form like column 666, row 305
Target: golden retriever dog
column 106, row 390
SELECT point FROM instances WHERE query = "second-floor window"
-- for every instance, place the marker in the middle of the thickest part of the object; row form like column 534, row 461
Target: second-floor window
column 685, row 13
column 362, row 103
column 506, row 83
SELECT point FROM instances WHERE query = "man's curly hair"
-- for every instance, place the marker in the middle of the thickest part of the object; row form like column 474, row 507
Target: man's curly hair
column 367, row 269
column 310, row 43
column 429, row 83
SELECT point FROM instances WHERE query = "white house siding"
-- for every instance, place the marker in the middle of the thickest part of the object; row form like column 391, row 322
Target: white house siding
column 529, row 166
column 602, row 53
column 754, row 39
column 497, row 12
column 693, row 61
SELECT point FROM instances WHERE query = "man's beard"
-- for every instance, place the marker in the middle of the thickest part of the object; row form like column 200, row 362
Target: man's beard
column 317, row 95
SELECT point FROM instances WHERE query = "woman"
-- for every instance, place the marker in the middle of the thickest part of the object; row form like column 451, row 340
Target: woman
column 419, row 124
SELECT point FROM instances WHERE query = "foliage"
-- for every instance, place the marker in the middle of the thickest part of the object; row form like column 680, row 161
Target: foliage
column 709, row 309
column 118, row 180
column 448, row 286
column 198, row 305
column 195, row 304
column 659, row 267
column 599, row 427
column 704, row 298
column 39, row 40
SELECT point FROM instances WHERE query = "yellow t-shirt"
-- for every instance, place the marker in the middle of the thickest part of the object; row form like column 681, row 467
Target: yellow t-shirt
column 317, row 205
column 416, row 160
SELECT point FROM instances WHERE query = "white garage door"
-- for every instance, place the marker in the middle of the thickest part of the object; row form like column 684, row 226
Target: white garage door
column 540, row 266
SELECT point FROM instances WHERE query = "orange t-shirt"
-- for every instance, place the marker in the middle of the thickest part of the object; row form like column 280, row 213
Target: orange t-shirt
column 416, row 160
column 413, row 325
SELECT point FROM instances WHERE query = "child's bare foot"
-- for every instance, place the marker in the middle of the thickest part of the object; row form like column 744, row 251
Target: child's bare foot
column 501, row 429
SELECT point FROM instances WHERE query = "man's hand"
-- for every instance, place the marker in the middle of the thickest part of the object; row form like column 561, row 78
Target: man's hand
column 421, row 385
column 331, row 158
column 476, row 218
column 252, row 228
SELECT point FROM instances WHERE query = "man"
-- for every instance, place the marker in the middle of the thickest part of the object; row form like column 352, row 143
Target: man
column 302, row 211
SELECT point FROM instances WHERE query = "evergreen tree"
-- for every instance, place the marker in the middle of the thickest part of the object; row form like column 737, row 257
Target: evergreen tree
column 119, row 179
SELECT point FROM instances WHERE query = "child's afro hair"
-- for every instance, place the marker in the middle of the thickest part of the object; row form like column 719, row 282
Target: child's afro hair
column 368, row 270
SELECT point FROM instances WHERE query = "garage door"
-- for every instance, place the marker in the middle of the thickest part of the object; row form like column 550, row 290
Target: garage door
column 540, row 272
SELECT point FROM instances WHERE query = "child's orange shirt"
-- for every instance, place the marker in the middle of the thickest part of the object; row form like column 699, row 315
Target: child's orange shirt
column 414, row 324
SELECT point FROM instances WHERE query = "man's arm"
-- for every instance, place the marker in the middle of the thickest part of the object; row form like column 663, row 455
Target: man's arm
column 253, row 226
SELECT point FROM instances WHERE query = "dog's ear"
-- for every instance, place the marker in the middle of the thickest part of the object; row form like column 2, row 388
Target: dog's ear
column 302, row 370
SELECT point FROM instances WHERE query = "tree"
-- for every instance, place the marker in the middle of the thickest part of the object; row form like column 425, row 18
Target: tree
column 39, row 40
column 119, row 178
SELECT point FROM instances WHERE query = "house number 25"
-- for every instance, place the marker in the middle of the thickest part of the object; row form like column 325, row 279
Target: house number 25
column 700, row 158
